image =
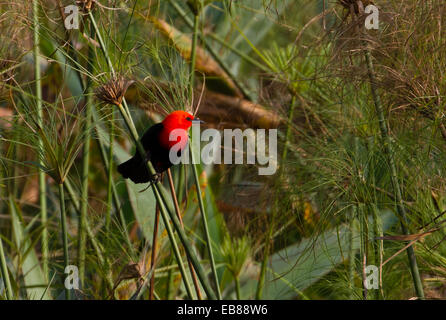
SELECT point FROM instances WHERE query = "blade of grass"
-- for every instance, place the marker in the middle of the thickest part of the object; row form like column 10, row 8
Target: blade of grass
column 4, row 272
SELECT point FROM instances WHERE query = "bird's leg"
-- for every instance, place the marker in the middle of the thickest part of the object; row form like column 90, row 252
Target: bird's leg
column 153, row 179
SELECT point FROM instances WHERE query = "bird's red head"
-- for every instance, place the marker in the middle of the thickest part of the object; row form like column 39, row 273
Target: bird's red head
column 178, row 120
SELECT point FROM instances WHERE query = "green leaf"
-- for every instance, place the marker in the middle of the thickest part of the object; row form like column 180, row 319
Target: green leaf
column 295, row 268
column 32, row 272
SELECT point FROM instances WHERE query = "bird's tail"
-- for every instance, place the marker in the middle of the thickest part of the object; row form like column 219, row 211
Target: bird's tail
column 134, row 169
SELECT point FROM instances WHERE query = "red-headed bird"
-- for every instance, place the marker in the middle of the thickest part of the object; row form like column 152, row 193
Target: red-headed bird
column 157, row 145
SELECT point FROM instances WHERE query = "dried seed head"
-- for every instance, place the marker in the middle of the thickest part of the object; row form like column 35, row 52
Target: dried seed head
column 114, row 90
column 86, row 5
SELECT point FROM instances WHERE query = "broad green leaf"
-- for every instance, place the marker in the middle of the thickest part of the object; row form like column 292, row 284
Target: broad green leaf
column 32, row 272
column 295, row 268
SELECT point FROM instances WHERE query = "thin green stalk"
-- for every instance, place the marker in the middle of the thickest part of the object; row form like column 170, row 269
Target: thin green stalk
column 363, row 251
column 193, row 54
column 266, row 252
column 351, row 253
column 110, row 173
column 169, row 285
column 194, row 167
column 153, row 258
column 393, row 172
column 85, row 169
column 63, row 219
column 4, row 272
column 262, row 276
column 378, row 245
column 288, row 130
column 177, row 211
column 42, row 184
column 205, row 222
column 242, row 55
column 237, row 287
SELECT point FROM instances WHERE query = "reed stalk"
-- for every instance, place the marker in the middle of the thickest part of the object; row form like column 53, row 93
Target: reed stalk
column 41, row 175
column 177, row 211
column 266, row 251
column 63, row 219
column 153, row 258
column 85, row 166
column 389, row 153
column 110, row 172
column 197, row 12
column 205, row 223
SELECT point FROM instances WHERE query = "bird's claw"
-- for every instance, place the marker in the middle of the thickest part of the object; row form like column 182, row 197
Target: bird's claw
column 153, row 180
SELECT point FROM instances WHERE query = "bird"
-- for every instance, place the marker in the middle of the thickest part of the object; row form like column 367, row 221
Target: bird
column 157, row 145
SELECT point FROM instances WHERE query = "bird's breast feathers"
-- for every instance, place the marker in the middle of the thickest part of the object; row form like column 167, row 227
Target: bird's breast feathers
column 170, row 137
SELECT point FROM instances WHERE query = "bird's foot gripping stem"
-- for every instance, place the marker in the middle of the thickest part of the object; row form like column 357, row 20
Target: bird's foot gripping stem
column 153, row 179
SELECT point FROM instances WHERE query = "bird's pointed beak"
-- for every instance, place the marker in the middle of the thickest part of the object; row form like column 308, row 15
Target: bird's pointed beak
column 197, row 120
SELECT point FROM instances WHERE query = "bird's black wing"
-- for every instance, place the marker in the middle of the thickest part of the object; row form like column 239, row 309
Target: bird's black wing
column 135, row 168
column 150, row 138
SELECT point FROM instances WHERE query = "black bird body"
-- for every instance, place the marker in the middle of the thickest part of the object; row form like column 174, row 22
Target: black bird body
column 157, row 142
column 136, row 169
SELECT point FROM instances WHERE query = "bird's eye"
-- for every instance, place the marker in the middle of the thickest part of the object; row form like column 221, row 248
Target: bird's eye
column 188, row 119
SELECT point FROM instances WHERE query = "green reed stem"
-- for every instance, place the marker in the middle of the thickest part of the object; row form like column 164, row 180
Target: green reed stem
column 4, row 272
column 237, row 287
column 110, row 173
column 388, row 149
column 193, row 54
column 177, row 211
column 266, row 252
column 153, row 258
column 205, row 222
column 194, row 167
column 85, row 167
column 42, row 184
column 63, row 219
column 351, row 252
